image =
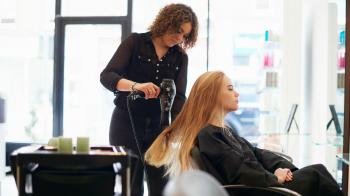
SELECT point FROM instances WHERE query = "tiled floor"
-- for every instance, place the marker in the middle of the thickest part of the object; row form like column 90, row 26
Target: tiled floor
column 302, row 148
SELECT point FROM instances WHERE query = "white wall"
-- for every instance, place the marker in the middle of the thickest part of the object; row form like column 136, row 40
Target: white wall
column 2, row 153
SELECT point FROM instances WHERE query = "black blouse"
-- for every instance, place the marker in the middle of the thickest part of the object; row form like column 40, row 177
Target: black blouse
column 233, row 160
column 136, row 60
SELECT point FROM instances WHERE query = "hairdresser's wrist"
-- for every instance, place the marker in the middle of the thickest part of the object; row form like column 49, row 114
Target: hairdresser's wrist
column 124, row 85
column 133, row 86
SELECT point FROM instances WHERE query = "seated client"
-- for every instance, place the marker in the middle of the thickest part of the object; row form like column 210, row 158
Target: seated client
column 201, row 123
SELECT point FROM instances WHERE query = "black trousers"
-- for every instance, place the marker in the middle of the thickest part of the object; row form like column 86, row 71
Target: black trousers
column 147, row 129
column 314, row 180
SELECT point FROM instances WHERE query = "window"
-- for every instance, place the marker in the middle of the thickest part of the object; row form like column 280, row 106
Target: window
column 87, row 105
column 26, row 64
column 84, row 45
column 94, row 7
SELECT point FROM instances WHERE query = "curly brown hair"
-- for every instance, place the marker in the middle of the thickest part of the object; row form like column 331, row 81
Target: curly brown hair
column 170, row 18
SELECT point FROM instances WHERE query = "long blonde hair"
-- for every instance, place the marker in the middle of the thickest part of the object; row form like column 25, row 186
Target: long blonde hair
column 172, row 148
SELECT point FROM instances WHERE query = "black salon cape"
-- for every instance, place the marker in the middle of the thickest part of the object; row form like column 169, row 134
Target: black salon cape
column 233, row 160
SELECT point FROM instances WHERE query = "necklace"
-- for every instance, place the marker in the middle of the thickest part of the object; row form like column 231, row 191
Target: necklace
column 227, row 131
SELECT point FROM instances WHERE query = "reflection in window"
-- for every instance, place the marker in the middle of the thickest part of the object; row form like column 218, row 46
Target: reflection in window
column 237, row 46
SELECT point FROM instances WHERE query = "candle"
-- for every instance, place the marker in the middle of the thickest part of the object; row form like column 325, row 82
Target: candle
column 65, row 145
column 83, row 144
column 53, row 142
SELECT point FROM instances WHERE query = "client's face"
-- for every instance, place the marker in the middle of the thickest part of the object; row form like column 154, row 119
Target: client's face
column 229, row 96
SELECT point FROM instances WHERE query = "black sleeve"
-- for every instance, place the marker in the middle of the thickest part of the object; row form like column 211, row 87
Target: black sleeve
column 181, row 84
column 115, row 69
column 230, row 164
column 269, row 160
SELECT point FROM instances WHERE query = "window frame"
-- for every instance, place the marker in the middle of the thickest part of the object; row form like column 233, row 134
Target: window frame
column 59, row 43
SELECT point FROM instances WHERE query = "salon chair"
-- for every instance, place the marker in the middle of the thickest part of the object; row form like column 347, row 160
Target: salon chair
column 238, row 189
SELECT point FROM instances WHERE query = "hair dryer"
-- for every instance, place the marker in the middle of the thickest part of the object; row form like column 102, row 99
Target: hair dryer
column 166, row 97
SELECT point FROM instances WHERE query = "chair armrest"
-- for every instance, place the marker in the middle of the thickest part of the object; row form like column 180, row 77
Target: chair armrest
column 286, row 190
column 288, row 158
column 249, row 190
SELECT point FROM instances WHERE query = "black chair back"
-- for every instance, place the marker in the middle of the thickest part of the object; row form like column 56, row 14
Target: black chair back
column 196, row 156
column 64, row 182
